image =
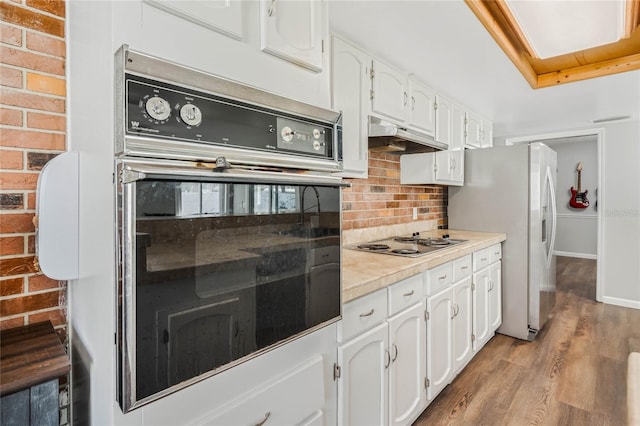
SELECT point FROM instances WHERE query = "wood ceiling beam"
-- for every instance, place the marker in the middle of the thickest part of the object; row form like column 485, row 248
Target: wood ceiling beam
column 517, row 56
column 599, row 69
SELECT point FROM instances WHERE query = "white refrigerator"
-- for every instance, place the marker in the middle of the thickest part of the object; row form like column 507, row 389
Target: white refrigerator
column 511, row 189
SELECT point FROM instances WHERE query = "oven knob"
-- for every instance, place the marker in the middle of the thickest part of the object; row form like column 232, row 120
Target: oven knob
column 158, row 108
column 316, row 145
column 191, row 115
column 287, row 134
column 317, row 133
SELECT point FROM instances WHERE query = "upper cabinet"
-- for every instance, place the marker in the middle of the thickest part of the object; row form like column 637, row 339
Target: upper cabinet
column 223, row 16
column 443, row 107
column 479, row 131
column 293, row 30
column 402, row 98
column 350, row 85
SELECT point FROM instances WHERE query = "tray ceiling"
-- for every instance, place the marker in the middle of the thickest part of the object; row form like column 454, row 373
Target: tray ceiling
column 612, row 58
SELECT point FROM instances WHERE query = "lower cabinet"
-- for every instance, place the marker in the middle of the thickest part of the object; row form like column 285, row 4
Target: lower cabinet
column 487, row 294
column 381, row 367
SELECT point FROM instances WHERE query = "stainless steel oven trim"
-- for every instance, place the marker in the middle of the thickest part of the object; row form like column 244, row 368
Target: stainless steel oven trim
column 130, row 61
column 130, row 170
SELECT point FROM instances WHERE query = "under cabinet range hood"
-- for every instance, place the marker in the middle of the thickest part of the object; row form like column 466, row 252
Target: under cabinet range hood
column 392, row 138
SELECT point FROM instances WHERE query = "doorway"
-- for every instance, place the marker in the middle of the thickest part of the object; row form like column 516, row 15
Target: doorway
column 579, row 234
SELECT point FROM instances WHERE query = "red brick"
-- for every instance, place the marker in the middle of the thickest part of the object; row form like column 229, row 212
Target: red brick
column 11, row 246
column 32, row 61
column 11, row 286
column 10, row 35
column 56, row 316
column 10, row 77
column 31, row 244
column 11, row 323
column 29, row 139
column 11, row 159
column 29, row 303
column 31, row 201
column 55, row 7
column 10, row 117
column 37, row 120
column 42, row 282
column 32, row 101
column 17, row 266
column 45, row 44
column 31, row 19
column 18, row 180
column 46, row 84
column 16, row 223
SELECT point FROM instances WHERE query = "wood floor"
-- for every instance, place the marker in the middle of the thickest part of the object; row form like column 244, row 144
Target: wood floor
column 574, row 373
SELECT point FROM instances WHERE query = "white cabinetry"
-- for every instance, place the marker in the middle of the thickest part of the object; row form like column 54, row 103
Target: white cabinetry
column 443, row 107
column 440, row 167
column 449, row 313
column 381, row 360
column 293, row 30
column 479, row 131
column 350, row 85
column 402, row 98
column 222, row 16
column 487, row 294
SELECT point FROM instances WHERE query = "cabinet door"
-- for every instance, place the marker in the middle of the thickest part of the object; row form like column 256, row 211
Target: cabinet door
column 458, row 128
column 363, row 382
column 480, row 308
column 292, row 30
column 407, row 335
column 456, row 165
column 443, row 120
column 390, row 97
column 495, row 296
column 487, row 134
column 443, row 166
column 474, row 130
column 350, row 84
column 439, row 342
column 462, row 324
column 223, row 16
column 421, row 106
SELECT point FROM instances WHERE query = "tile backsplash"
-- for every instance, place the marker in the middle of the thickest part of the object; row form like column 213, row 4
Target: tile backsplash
column 380, row 200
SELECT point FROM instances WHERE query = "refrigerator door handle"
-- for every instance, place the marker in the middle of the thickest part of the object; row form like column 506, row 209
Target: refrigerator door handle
column 552, row 196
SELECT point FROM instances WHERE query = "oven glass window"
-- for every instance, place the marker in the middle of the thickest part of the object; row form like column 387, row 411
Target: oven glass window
column 224, row 270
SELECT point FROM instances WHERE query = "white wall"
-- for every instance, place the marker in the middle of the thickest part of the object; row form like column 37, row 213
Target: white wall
column 96, row 29
column 577, row 228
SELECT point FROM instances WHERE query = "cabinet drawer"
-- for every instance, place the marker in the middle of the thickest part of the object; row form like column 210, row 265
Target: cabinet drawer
column 405, row 293
column 438, row 278
column 495, row 252
column 481, row 258
column 363, row 313
column 462, row 268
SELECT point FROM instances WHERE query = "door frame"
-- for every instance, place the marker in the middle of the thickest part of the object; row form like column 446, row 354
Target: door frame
column 599, row 134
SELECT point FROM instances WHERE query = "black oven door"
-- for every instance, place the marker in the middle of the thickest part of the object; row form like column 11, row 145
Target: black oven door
column 217, row 268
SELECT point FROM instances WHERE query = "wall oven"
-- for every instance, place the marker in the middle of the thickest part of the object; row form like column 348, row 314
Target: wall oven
column 228, row 224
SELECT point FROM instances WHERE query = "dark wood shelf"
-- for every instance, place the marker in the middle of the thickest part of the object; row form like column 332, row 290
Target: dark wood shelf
column 30, row 355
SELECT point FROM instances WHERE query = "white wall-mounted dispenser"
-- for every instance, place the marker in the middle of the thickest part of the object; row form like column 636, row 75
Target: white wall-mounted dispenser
column 57, row 217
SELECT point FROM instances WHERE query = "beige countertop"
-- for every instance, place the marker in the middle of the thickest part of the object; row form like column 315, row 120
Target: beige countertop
column 363, row 273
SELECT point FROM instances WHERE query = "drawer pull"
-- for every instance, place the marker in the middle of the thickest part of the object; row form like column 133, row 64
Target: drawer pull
column 367, row 314
column 464, row 267
column 388, row 359
column 443, row 277
column 497, row 253
column 395, row 349
column 266, row 417
column 408, row 294
column 483, row 259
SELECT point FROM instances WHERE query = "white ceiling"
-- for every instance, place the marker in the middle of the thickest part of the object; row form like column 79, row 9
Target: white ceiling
column 444, row 44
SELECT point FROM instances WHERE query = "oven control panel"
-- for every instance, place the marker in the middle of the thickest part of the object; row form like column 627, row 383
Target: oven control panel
column 165, row 111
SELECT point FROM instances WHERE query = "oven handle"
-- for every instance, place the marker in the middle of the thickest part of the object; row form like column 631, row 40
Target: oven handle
column 133, row 171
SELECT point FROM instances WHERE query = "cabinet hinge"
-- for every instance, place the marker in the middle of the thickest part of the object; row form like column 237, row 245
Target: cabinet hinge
column 371, row 94
column 473, row 337
column 336, row 372
column 435, row 106
column 372, row 72
column 426, row 383
column 426, row 315
column 473, row 286
column 322, row 45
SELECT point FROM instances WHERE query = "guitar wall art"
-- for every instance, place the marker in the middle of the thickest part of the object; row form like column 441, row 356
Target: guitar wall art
column 578, row 198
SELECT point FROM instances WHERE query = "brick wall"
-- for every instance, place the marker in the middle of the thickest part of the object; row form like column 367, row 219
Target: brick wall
column 381, row 200
column 32, row 131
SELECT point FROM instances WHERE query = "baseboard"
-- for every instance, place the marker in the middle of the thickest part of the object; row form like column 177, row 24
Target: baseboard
column 579, row 255
column 635, row 304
